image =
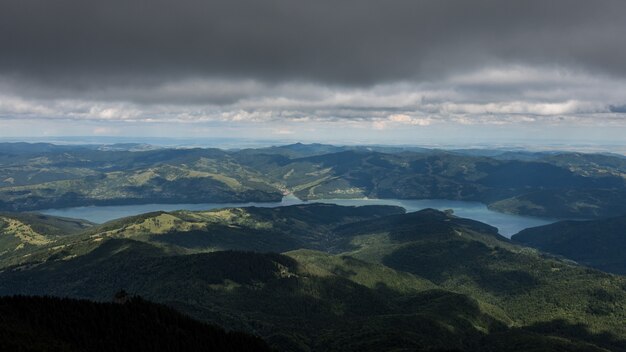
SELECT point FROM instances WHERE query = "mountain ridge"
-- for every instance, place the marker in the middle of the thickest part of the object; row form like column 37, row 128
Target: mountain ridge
column 401, row 279
column 596, row 243
column 65, row 176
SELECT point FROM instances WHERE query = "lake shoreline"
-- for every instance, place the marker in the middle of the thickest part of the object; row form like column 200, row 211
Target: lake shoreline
column 508, row 224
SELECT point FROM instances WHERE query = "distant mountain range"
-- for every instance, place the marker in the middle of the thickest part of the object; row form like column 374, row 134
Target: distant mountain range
column 557, row 185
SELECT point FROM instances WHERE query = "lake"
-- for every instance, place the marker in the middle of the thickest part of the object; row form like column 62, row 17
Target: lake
column 506, row 223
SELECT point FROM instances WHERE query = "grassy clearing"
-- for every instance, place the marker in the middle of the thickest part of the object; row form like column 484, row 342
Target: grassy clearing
column 23, row 232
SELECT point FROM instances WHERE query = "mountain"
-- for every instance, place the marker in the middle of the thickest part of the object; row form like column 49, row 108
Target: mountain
column 471, row 258
column 354, row 279
column 359, row 173
column 559, row 185
column 573, row 203
column 53, row 324
column 301, row 150
column 595, row 243
column 296, row 150
column 300, row 308
column 203, row 182
column 254, row 229
column 20, row 233
column 258, row 229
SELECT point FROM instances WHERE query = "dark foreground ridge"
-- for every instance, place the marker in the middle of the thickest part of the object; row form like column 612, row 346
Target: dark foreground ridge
column 56, row 324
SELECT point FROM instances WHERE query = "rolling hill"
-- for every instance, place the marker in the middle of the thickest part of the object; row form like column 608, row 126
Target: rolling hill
column 595, row 243
column 20, row 233
column 354, row 278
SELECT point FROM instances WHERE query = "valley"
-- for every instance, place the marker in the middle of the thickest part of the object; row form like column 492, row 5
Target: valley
column 347, row 278
column 549, row 185
column 508, row 224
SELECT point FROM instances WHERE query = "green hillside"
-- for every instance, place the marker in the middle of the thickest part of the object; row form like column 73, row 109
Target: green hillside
column 259, row 229
column 184, row 232
column 463, row 256
column 372, row 277
column 21, row 233
column 597, row 243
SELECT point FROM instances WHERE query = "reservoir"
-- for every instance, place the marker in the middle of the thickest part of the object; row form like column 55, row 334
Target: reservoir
column 507, row 224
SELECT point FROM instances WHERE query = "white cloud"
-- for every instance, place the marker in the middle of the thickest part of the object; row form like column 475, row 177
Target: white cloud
column 105, row 131
column 523, row 107
column 496, row 96
column 283, row 131
column 398, row 120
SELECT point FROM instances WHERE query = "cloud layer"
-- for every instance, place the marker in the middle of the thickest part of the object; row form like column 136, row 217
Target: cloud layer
column 385, row 64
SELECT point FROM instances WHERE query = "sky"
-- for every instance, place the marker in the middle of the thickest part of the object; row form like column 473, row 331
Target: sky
column 342, row 71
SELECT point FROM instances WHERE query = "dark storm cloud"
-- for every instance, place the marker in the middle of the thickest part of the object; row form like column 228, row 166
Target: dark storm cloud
column 70, row 43
column 373, row 65
column 621, row 109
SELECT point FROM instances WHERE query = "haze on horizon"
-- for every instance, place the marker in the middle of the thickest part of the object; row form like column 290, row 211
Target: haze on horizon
column 361, row 71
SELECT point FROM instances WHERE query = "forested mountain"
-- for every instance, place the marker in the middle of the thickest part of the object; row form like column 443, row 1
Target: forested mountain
column 22, row 232
column 351, row 278
column 252, row 229
column 596, row 243
column 560, row 185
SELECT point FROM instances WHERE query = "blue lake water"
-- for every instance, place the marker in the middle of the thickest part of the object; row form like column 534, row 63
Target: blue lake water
column 507, row 224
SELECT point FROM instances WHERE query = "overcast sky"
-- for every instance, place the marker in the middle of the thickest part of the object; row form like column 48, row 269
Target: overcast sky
column 384, row 71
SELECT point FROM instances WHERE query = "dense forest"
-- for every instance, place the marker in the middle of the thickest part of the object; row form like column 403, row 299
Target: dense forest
column 347, row 278
column 596, row 243
column 40, row 324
